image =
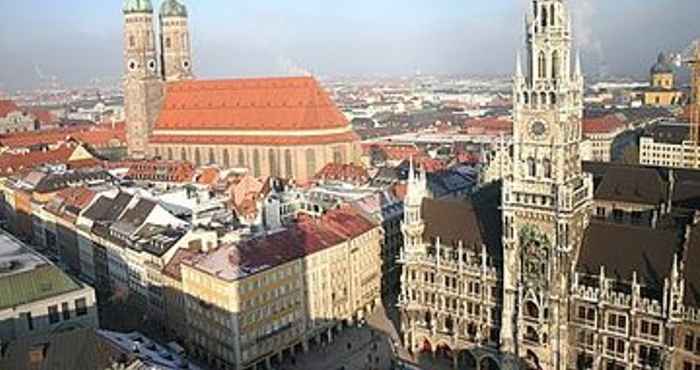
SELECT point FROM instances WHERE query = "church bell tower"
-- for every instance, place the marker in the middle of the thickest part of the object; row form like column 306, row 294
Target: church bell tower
column 547, row 197
column 143, row 88
column 175, row 42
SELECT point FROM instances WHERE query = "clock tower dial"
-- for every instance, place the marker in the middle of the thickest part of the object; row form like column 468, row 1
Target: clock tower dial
column 538, row 129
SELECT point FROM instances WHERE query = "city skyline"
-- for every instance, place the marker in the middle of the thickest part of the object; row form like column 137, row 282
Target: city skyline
column 229, row 42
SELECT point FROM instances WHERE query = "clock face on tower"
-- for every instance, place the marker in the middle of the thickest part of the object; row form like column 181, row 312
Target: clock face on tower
column 538, row 129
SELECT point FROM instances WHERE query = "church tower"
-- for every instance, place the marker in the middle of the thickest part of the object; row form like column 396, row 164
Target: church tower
column 547, row 197
column 413, row 226
column 143, row 89
column 175, row 42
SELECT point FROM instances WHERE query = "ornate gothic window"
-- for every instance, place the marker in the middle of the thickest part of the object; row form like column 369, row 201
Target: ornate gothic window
column 526, row 98
column 548, row 168
column 272, row 158
column 197, row 157
column 227, row 159
column 531, row 167
column 541, row 65
column 552, row 16
column 543, row 98
column 555, row 64
column 256, row 163
column 241, row 158
column 310, row 162
column 552, row 98
column 544, row 17
column 531, row 310
column 288, row 163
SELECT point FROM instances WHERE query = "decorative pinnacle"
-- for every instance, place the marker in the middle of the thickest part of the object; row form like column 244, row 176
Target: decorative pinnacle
column 518, row 66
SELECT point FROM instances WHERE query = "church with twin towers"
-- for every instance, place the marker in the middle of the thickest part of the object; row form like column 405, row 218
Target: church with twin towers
column 559, row 264
column 272, row 126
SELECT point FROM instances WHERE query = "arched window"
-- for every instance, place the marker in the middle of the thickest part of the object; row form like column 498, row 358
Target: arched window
column 544, row 17
column 241, row 158
column 552, row 16
column 168, row 43
column 170, row 154
column 531, row 167
column 543, row 98
column 183, row 154
column 555, row 64
column 531, row 310
column 541, row 65
column 552, row 98
column 156, row 152
column 256, row 163
column 548, row 168
column 310, row 162
column 272, row 158
column 526, row 98
column 212, row 159
column 288, row 163
column 227, row 159
column 197, row 157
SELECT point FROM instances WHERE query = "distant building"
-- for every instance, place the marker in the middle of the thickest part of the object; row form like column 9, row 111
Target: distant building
column 36, row 297
column 15, row 119
column 662, row 90
column 600, row 133
column 667, row 145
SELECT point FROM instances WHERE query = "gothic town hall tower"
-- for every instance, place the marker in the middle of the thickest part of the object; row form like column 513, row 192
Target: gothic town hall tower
column 546, row 199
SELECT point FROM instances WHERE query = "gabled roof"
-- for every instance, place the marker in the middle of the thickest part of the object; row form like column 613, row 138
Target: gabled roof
column 631, row 184
column 106, row 208
column 294, row 103
column 624, row 249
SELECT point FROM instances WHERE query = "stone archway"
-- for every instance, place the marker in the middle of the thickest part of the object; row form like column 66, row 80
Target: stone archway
column 466, row 360
column 532, row 361
column 488, row 363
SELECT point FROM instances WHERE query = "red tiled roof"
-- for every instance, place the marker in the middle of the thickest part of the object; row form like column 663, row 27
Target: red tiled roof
column 296, row 103
column 172, row 268
column 13, row 163
column 7, row 107
column 255, row 140
column 488, row 126
column 44, row 116
column 79, row 197
column 604, row 124
column 343, row 172
column 168, row 171
column 208, row 176
column 96, row 136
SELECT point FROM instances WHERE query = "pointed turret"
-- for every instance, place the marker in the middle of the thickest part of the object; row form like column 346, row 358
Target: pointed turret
column 518, row 67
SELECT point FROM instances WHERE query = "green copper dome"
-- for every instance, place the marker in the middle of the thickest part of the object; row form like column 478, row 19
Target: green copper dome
column 662, row 65
column 138, row 6
column 172, row 8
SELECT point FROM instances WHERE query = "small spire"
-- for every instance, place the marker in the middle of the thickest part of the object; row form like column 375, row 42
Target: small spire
column 518, row 66
column 411, row 172
column 578, row 71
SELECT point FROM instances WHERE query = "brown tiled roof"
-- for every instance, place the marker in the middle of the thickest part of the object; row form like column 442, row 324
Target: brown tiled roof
column 624, row 249
column 296, row 103
column 172, row 268
column 631, row 184
column 453, row 222
column 158, row 170
column 691, row 261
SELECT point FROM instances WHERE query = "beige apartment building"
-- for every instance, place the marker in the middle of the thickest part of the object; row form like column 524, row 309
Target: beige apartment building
column 252, row 303
column 667, row 145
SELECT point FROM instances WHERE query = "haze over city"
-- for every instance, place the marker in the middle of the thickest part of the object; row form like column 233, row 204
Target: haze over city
column 78, row 40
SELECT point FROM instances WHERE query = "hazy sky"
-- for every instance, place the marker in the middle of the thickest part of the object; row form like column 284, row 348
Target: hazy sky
column 77, row 40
